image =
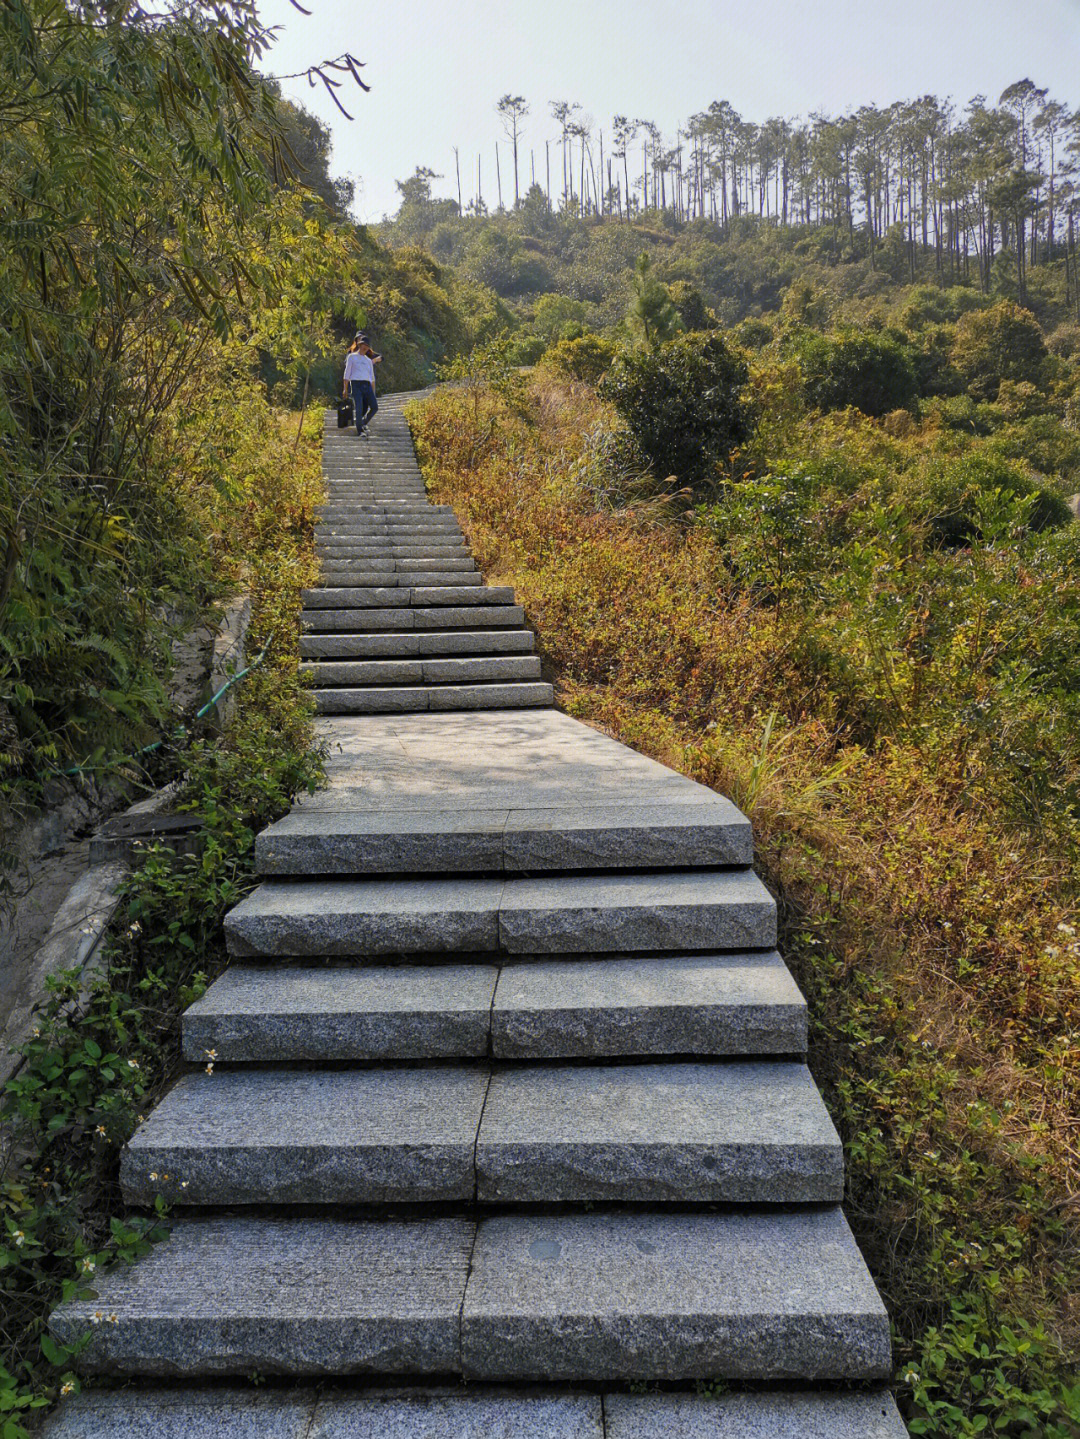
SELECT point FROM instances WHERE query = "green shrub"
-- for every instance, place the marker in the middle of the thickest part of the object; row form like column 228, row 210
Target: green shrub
column 587, row 359
column 683, row 403
column 1002, row 342
column 855, row 367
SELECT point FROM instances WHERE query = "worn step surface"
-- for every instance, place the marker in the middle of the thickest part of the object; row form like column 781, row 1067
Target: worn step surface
column 365, row 621
column 564, row 914
column 738, row 1133
column 604, row 1297
column 491, row 695
column 402, row 646
column 484, row 1413
column 737, row 1004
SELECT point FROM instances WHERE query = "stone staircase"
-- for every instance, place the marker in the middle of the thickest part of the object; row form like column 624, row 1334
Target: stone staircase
column 507, row 1114
column 401, row 620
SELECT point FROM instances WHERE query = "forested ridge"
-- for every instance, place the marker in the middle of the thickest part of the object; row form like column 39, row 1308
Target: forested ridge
column 965, row 185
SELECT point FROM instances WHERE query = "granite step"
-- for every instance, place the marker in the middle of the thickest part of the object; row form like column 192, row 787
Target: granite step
column 387, row 562
column 739, row 1132
column 602, row 1297
column 422, row 596
column 324, row 673
column 352, row 838
column 476, row 1413
column 601, row 913
column 708, row 1005
column 364, row 621
column 405, row 699
column 354, row 574
column 402, row 646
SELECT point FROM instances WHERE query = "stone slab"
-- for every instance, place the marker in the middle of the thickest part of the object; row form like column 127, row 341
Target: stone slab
column 188, row 1413
column 271, row 1013
column 504, row 612
column 298, row 1136
column 381, row 621
column 456, row 670
column 483, row 595
column 459, row 1414
column 598, row 913
column 513, row 694
column 363, row 672
column 343, row 917
column 754, row 1132
column 732, row 1004
column 774, row 1415
column 625, row 1297
column 588, row 914
column 359, row 840
column 395, row 646
column 351, row 573
column 232, row 1294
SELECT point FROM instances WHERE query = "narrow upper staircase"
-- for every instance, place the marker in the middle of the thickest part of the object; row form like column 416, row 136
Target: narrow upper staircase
column 507, row 1082
column 401, row 620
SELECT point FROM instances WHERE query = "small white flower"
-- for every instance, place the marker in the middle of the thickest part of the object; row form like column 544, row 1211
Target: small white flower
column 1067, row 929
column 210, row 1053
column 133, row 1064
column 88, row 1265
column 113, row 1319
column 37, row 1032
column 911, row 1376
column 66, row 1388
column 210, row 1068
column 102, row 1131
column 19, row 1237
column 96, row 1317
column 153, row 1175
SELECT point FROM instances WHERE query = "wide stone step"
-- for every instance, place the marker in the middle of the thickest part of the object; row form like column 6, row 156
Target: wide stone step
column 420, row 671
column 355, row 574
column 599, row 1297
column 361, row 621
column 565, row 914
column 389, row 563
column 394, row 596
column 401, row 646
column 486, row 1413
column 731, row 1004
column 405, row 699
column 444, row 839
column 751, row 1132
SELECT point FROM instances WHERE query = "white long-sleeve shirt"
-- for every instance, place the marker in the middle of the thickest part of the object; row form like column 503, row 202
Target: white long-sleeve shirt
column 359, row 367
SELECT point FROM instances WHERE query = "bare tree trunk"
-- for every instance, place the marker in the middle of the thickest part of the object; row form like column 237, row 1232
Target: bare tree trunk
column 457, row 167
column 498, row 174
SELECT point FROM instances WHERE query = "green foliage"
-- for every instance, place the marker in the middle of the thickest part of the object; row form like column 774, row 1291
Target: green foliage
column 558, row 317
column 587, row 358
column 106, row 1044
column 683, row 404
column 1002, row 342
column 652, row 314
column 852, row 367
column 900, row 717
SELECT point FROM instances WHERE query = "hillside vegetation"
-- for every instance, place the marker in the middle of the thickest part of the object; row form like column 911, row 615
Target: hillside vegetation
column 799, row 526
column 173, row 255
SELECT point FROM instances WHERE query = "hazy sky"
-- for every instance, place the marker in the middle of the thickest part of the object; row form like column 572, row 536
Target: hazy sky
column 437, row 69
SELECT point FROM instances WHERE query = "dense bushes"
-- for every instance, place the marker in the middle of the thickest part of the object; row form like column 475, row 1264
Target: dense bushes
column 683, row 404
column 871, row 372
column 902, row 721
column 1002, row 342
column 97, row 1060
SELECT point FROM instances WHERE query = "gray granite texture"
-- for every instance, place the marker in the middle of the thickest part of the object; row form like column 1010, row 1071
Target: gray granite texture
column 295, row 1012
column 563, row 914
column 655, row 1296
column 310, row 1296
column 682, row 1004
column 423, row 839
column 188, row 1413
column 310, row 1136
column 738, row 1133
column 405, row 646
column 512, row 694
column 773, row 1415
column 460, row 1414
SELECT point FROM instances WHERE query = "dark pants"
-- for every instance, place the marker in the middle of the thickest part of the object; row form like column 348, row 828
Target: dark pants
column 364, row 402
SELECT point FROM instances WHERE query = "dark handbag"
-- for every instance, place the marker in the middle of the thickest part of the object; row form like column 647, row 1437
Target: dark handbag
column 344, row 414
